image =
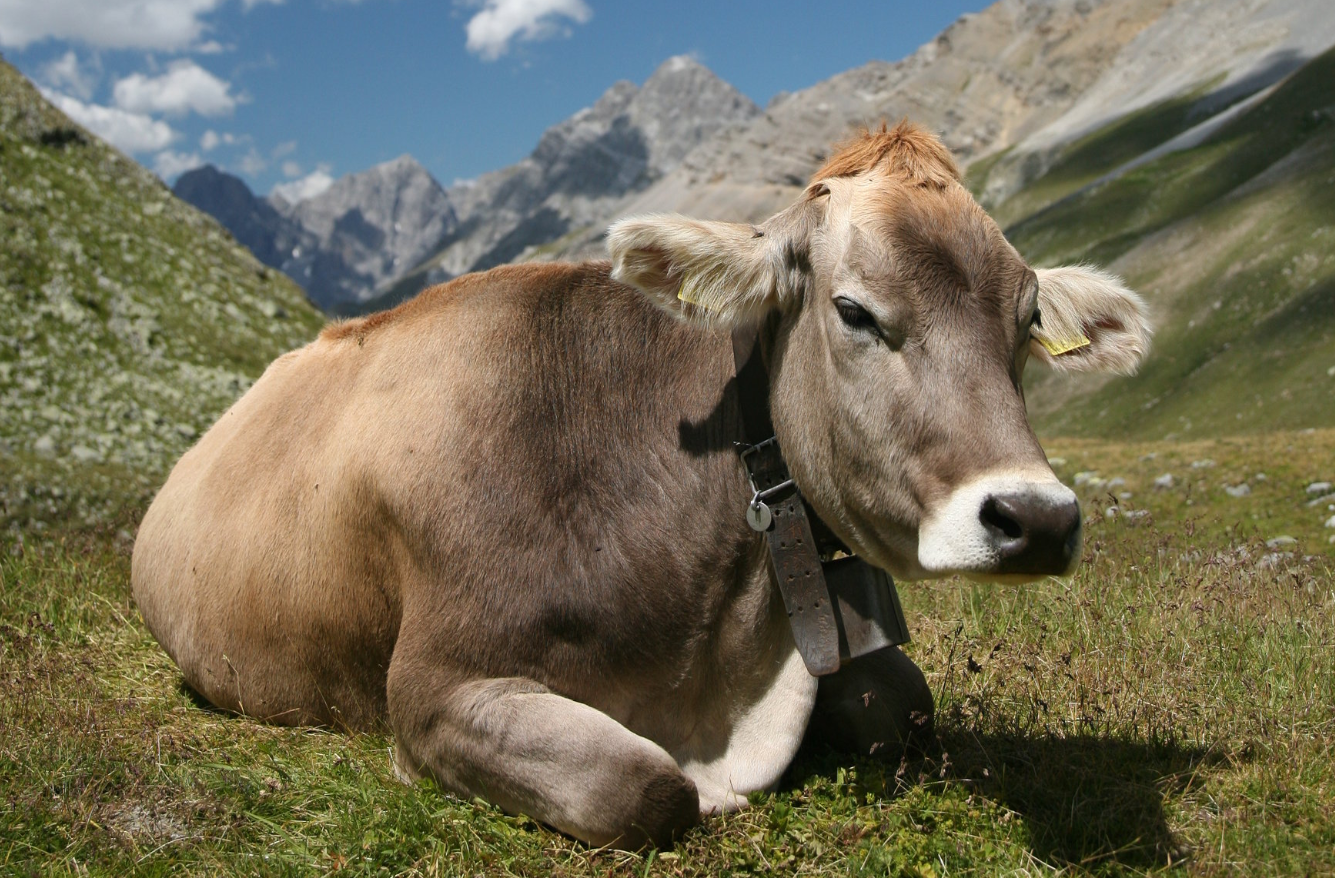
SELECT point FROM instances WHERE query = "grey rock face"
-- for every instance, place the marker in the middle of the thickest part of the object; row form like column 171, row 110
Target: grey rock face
column 368, row 230
column 252, row 221
column 585, row 166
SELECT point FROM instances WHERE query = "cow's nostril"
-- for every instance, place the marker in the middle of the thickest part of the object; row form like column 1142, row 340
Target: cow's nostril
column 996, row 519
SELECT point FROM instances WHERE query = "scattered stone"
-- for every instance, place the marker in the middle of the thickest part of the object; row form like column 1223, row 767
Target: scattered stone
column 1136, row 514
column 1056, row 461
column 1274, row 559
column 1124, row 495
column 1259, row 477
column 45, row 446
column 1318, row 487
column 1110, row 512
column 1202, row 464
column 1144, row 458
column 84, row 454
column 1116, row 482
column 1164, row 481
column 1238, row 490
column 1324, row 498
column 1330, row 522
column 1280, row 541
column 1087, row 477
column 187, row 431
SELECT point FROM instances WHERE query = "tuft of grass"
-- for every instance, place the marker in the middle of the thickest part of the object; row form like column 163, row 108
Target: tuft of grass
column 1169, row 708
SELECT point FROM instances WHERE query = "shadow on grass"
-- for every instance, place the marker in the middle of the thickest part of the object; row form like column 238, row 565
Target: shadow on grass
column 1089, row 800
column 1085, row 799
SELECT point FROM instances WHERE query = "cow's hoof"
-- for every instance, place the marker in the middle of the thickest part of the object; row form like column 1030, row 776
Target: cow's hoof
column 878, row 705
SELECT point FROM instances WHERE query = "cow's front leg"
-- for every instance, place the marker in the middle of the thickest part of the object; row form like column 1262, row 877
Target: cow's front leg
column 877, row 705
column 530, row 751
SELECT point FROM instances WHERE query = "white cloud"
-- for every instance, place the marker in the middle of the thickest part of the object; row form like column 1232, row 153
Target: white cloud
column 211, row 47
column 67, row 74
column 129, row 132
column 185, row 87
column 287, row 147
column 492, row 29
column 166, row 25
column 252, row 163
column 291, row 169
column 308, row 186
column 170, row 163
column 209, row 140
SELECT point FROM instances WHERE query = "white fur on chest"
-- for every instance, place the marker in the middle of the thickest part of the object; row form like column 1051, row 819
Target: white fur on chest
column 757, row 745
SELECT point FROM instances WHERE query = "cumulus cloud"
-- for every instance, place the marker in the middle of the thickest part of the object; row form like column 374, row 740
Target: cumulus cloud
column 499, row 22
column 166, row 25
column 291, row 169
column 308, row 186
column 128, row 132
column 184, row 88
column 252, row 163
column 68, row 75
column 169, row 163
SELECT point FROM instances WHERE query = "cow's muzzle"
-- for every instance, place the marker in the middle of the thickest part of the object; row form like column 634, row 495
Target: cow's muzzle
column 1011, row 524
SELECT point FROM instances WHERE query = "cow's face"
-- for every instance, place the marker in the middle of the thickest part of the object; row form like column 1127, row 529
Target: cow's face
column 905, row 321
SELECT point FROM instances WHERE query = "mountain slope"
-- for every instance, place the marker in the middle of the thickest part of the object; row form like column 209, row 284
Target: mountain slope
column 1233, row 244
column 128, row 321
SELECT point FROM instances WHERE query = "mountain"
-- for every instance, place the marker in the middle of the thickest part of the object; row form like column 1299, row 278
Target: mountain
column 128, row 322
column 345, row 244
column 272, row 237
column 369, row 229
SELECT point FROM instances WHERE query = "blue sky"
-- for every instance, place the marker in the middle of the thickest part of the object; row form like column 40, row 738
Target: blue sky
column 296, row 91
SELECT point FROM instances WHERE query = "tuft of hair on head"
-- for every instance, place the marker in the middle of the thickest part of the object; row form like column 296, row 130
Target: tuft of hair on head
column 907, row 150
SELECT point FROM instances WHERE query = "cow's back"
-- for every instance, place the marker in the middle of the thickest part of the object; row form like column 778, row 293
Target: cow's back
column 495, row 454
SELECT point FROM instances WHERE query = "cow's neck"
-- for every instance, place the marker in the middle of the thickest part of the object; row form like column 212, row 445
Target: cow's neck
column 855, row 610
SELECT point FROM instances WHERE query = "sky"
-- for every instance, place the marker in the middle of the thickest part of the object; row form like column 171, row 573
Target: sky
column 294, row 93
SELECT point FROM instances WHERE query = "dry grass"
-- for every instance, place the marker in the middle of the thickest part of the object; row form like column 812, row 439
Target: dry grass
column 1172, row 706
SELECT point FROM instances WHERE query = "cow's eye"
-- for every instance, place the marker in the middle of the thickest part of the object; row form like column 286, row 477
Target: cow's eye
column 855, row 316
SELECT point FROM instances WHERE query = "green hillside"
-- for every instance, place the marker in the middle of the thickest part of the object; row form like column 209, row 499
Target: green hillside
column 1232, row 243
column 128, row 322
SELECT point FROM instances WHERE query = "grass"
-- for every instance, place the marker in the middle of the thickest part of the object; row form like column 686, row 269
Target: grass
column 1169, row 708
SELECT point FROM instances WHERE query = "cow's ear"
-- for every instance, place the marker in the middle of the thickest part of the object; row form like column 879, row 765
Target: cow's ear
column 1088, row 321
column 711, row 272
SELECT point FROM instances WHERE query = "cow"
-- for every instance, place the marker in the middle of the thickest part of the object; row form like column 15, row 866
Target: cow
column 506, row 520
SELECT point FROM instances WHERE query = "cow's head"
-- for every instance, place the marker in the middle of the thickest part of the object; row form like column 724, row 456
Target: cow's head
column 904, row 322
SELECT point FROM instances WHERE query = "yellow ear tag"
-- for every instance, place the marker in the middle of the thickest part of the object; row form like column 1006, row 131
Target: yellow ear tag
column 1064, row 346
column 686, row 292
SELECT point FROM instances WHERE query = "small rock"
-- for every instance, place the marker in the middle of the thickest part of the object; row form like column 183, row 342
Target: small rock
column 1324, row 498
column 1259, row 477
column 1110, row 512
column 1136, row 514
column 187, row 431
column 1280, row 541
column 1116, row 482
column 1202, row 464
column 45, row 446
column 84, row 454
column 1057, row 461
column 1088, row 477
column 1164, row 481
column 1318, row 487
column 1330, row 522
column 1124, row 495
column 1273, row 559
column 1148, row 457
column 1238, row 490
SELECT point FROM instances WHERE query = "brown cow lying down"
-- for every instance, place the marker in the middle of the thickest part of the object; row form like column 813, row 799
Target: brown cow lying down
column 506, row 519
